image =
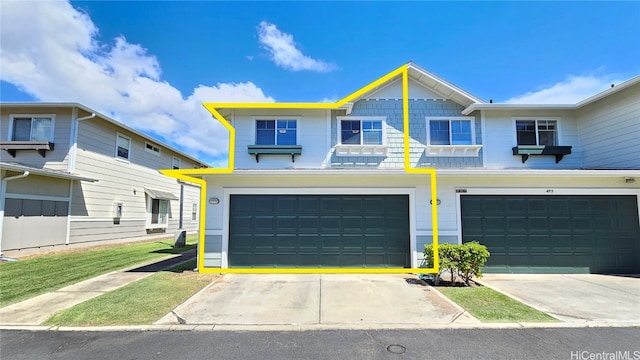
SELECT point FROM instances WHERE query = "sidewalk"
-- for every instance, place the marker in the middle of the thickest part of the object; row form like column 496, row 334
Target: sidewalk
column 36, row 310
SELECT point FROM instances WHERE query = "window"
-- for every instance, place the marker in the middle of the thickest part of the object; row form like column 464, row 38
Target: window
column 454, row 131
column 175, row 163
column 361, row 132
column 32, row 128
column 537, row 132
column 194, row 211
column 123, row 145
column 276, row 132
column 152, row 148
column 159, row 209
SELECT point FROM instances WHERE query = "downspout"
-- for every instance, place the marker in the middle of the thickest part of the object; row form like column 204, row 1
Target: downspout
column 3, row 192
column 71, row 166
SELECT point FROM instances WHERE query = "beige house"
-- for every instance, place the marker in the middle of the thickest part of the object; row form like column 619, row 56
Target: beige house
column 71, row 175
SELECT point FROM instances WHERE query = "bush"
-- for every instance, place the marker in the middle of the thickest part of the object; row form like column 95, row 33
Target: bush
column 464, row 260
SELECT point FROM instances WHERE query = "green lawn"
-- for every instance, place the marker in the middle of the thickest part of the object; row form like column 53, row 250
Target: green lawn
column 491, row 306
column 140, row 303
column 27, row 278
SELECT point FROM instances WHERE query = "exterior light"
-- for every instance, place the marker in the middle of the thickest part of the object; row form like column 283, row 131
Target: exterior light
column 214, row 201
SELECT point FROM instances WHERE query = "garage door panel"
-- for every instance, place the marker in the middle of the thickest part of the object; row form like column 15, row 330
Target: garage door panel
column 591, row 233
column 319, row 230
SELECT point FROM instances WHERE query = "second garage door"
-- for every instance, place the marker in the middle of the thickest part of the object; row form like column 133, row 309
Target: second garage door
column 577, row 233
column 319, row 231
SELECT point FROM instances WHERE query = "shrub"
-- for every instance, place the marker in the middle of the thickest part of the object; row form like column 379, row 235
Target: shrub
column 465, row 260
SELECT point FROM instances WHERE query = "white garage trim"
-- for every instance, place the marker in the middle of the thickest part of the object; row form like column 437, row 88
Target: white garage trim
column 228, row 191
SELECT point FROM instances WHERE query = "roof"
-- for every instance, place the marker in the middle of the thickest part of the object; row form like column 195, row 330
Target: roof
column 12, row 166
column 100, row 116
column 502, row 106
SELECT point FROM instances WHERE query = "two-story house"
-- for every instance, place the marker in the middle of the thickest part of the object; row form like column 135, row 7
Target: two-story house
column 547, row 188
column 71, row 175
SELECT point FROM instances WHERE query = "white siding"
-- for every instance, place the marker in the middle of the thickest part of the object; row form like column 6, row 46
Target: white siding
column 610, row 131
column 55, row 159
column 500, row 137
column 313, row 136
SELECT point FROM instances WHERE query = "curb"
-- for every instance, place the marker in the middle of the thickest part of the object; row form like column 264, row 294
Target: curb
column 323, row 327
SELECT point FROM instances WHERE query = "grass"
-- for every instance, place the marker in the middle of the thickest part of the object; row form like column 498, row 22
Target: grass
column 140, row 303
column 491, row 306
column 30, row 277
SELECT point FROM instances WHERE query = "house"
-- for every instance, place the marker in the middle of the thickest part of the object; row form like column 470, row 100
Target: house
column 547, row 188
column 71, row 175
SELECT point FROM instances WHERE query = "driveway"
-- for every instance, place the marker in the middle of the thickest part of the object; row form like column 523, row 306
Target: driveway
column 574, row 298
column 318, row 300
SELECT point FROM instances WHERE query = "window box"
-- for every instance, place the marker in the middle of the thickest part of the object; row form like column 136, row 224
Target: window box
column 40, row 146
column 526, row 150
column 453, row 150
column 258, row 150
column 361, row 150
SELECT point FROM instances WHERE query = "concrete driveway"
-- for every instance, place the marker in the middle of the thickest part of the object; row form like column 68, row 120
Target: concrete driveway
column 574, row 298
column 329, row 301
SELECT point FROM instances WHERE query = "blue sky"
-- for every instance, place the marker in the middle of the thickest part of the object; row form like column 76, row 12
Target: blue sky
column 150, row 64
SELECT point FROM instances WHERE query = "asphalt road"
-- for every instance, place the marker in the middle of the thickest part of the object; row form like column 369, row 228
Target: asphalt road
column 555, row 343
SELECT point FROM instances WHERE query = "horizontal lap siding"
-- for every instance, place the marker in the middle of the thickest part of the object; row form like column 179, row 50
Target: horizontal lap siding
column 610, row 131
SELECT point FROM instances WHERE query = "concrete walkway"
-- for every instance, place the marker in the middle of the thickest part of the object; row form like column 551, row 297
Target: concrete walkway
column 36, row 310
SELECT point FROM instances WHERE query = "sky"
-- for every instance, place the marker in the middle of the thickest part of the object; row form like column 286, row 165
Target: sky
column 150, row 64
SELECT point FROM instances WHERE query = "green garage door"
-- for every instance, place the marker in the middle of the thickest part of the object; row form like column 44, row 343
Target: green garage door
column 555, row 234
column 319, row 231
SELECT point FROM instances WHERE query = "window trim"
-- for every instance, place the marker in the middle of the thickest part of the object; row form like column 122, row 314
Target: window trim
column 255, row 119
column 469, row 150
column 173, row 160
column 194, row 212
column 154, row 146
column 340, row 119
column 13, row 116
column 128, row 159
column 149, row 211
column 515, row 119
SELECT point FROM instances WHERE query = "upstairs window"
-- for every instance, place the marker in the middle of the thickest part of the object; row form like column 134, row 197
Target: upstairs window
column 537, row 132
column 152, row 148
column 175, row 163
column 361, row 132
column 32, row 128
column 451, row 131
column 123, row 147
column 276, row 132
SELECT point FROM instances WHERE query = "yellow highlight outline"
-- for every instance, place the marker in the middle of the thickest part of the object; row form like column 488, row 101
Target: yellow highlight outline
column 188, row 175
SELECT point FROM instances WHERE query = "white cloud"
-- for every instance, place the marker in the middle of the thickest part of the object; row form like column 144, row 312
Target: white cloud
column 57, row 57
column 569, row 91
column 284, row 53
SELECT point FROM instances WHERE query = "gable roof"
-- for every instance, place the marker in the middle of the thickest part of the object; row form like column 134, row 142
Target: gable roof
column 502, row 106
column 90, row 111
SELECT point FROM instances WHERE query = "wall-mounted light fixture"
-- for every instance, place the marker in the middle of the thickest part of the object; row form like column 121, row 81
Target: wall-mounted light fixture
column 214, row 201
column 629, row 180
column 438, row 202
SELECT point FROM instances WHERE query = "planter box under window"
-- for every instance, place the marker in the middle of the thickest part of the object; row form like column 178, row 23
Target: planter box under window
column 536, row 150
column 258, row 150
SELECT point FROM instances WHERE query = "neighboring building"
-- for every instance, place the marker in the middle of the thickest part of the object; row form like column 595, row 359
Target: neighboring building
column 548, row 188
column 71, row 175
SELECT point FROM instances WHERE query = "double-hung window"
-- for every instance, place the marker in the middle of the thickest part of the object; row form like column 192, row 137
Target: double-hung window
column 537, row 132
column 175, row 163
column 159, row 210
column 361, row 132
column 123, row 147
column 276, row 132
column 32, row 128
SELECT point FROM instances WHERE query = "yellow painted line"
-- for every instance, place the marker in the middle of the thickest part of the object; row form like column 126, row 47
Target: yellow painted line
column 187, row 175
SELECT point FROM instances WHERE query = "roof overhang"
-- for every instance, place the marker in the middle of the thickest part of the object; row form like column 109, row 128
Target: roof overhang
column 439, row 85
column 43, row 172
column 491, row 106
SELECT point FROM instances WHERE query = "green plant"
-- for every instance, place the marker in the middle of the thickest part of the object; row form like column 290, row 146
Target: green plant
column 465, row 260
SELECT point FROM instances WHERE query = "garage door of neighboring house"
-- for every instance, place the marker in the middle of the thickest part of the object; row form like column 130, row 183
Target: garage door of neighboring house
column 32, row 223
column 555, row 234
column 319, row 231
